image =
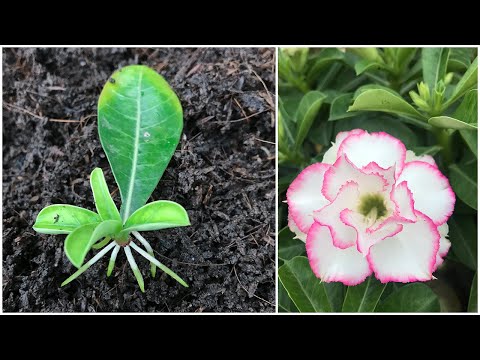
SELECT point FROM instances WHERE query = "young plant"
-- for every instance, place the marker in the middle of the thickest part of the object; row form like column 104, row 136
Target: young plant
column 140, row 121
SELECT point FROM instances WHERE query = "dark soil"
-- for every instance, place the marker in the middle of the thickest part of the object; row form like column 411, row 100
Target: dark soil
column 223, row 173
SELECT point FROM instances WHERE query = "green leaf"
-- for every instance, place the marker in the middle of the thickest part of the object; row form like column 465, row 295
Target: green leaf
column 434, row 61
column 468, row 113
column 103, row 201
column 404, row 57
column 471, row 139
column 325, row 58
column 367, row 65
column 468, row 80
column 305, row 290
column 448, row 122
column 371, row 54
column 335, row 294
column 459, row 59
column 80, row 241
column 285, row 304
column 426, row 150
column 306, row 113
column 63, row 219
column 366, row 87
column 363, row 297
column 463, row 236
column 414, row 297
column 288, row 247
column 157, row 215
column 385, row 101
column 284, row 182
column 464, row 182
column 473, row 299
column 339, row 107
column 140, row 121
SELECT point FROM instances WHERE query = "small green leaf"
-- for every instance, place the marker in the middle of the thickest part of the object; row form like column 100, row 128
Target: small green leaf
column 426, row 150
column 404, row 57
column 161, row 214
column 285, row 304
column 434, row 62
column 103, row 201
column 416, row 297
column 306, row 113
column 382, row 100
column 463, row 236
column 339, row 107
column 367, row 65
column 464, row 182
column 468, row 113
column 288, row 247
column 447, row 122
column 325, row 58
column 140, row 121
column 460, row 59
column 473, row 299
column 305, row 290
column 363, row 297
column 80, row 241
column 371, row 54
column 468, row 80
column 63, row 219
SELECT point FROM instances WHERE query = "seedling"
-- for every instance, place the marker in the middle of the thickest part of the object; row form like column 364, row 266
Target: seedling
column 140, row 121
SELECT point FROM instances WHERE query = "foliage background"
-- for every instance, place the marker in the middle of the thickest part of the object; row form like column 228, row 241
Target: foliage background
column 425, row 97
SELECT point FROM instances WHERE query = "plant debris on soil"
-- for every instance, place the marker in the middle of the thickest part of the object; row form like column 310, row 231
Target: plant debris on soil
column 223, row 173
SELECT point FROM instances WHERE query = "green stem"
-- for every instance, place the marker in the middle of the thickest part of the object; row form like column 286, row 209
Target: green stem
column 445, row 141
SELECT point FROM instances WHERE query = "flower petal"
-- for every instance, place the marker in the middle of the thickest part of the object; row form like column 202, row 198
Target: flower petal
column 431, row 190
column 331, row 154
column 330, row 263
column 343, row 171
column 388, row 174
column 444, row 244
column 343, row 235
column 379, row 147
column 299, row 234
column 368, row 236
column 409, row 255
column 425, row 158
column 304, row 195
column 402, row 197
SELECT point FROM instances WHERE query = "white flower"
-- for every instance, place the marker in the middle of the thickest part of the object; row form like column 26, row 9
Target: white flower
column 372, row 206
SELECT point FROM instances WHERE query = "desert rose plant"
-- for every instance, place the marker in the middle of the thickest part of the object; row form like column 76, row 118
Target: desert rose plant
column 140, row 121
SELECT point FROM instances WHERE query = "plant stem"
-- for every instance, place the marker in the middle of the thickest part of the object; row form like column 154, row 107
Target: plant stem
column 113, row 258
column 146, row 245
column 158, row 263
column 133, row 265
column 88, row 264
column 445, row 141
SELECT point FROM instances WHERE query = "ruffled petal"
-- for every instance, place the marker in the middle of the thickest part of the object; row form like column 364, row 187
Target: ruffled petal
column 369, row 236
column 431, row 190
column 343, row 171
column 402, row 197
column 330, row 263
column 343, row 235
column 331, row 154
column 299, row 234
column 382, row 148
column 304, row 195
column 388, row 174
column 425, row 158
column 444, row 244
column 409, row 255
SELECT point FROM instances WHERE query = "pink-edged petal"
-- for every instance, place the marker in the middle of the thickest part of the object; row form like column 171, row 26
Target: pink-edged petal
column 388, row 174
column 304, row 195
column 343, row 235
column 402, row 197
column 444, row 244
column 330, row 263
column 409, row 255
column 299, row 234
column 343, row 171
column 431, row 190
column 380, row 147
column 369, row 236
column 331, row 154
column 425, row 158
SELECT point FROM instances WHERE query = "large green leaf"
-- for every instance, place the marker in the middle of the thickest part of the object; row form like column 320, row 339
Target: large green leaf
column 285, row 304
column 371, row 54
column 157, row 215
column 383, row 100
column 363, row 297
column 139, row 121
column 288, row 247
column 305, row 290
column 464, row 182
column 80, row 241
column 63, row 219
column 339, row 107
column 434, row 61
column 448, row 122
column 367, row 65
column 463, row 236
column 404, row 57
column 471, row 139
column 103, row 201
column 460, row 59
column 306, row 113
column 468, row 81
column 326, row 57
column 468, row 113
column 473, row 299
column 416, row 297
